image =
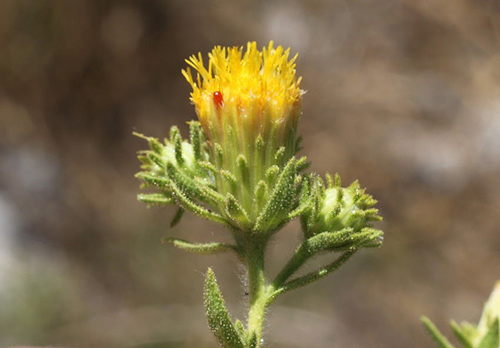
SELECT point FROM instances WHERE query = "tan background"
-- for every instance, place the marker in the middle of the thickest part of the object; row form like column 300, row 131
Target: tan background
column 401, row 94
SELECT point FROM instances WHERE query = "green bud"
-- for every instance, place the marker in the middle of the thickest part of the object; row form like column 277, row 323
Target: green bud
column 339, row 208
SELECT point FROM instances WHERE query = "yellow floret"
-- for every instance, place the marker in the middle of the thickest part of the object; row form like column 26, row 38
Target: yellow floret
column 264, row 79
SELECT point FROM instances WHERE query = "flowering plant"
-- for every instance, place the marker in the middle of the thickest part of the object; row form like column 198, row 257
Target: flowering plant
column 240, row 168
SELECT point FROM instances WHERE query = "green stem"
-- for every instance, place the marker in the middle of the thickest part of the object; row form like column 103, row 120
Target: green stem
column 297, row 260
column 310, row 277
column 256, row 289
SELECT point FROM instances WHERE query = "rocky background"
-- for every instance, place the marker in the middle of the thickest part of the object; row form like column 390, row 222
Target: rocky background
column 403, row 95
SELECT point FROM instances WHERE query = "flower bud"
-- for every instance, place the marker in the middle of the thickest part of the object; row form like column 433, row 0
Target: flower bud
column 338, row 208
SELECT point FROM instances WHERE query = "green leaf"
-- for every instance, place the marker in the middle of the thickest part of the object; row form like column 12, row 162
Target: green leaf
column 154, row 158
column 461, row 335
column 272, row 174
column 328, row 240
column 281, row 202
column 252, row 342
column 237, row 213
column 229, row 178
column 242, row 162
column 302, row 164
column 155, row 198
column 279, row 154
column 187, row 204
column 152, row 180
column 154, row 144
column 209, row 167
column 240, row 328
column 218, row 317
column 196, row 139
column 176, row 139
column 303, row 206
column 338, row 180
column 260, row 194
column 315, row 190
column 491, row 339
column 344, row 239
column 190, row 187
column 199, row 248
column 437, row 336
column 177, row 217
column 219, row 153
column 330, row 183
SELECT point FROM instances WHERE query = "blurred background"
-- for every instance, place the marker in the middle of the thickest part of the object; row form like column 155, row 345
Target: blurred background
column 403, row 95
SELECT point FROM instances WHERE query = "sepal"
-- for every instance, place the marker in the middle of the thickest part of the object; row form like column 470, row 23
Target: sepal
column 281, row 201
column 186, row 203
column 237, row 213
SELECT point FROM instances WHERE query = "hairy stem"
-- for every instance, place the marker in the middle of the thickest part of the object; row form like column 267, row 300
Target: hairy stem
column 296, row 261
column 256, row 289
column 311, row 277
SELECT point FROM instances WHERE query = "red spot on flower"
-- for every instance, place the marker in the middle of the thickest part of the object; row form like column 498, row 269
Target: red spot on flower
column 218, row 99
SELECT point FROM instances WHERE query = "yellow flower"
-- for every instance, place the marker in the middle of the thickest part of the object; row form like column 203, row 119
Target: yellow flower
column 252, row 89
column 248, row 103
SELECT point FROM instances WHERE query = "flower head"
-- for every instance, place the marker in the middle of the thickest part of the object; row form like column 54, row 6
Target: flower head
column 252, row 89
column 248, row 103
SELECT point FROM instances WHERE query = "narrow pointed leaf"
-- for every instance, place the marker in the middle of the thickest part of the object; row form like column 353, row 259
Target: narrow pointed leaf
column 461, row 336
column 152, row 180
column 155, row 198
column 329, row 180
column 272, row 174
column 436, row 335
column 154, row 144
column 199, row 248
column 240, row 329
column 229, row 177
column 176, row 139
column 282, row 200
column 218, row 317
column 260, row 194
column 243, row 168
column 279, row 154
column 187, row 204
column 195, row 135
column 177, row 217
column 300, row 209
column 302, row 164
column 208, row 167
column 236, row 212
column 189, row 186
column 156, row 159
column 252, row 342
